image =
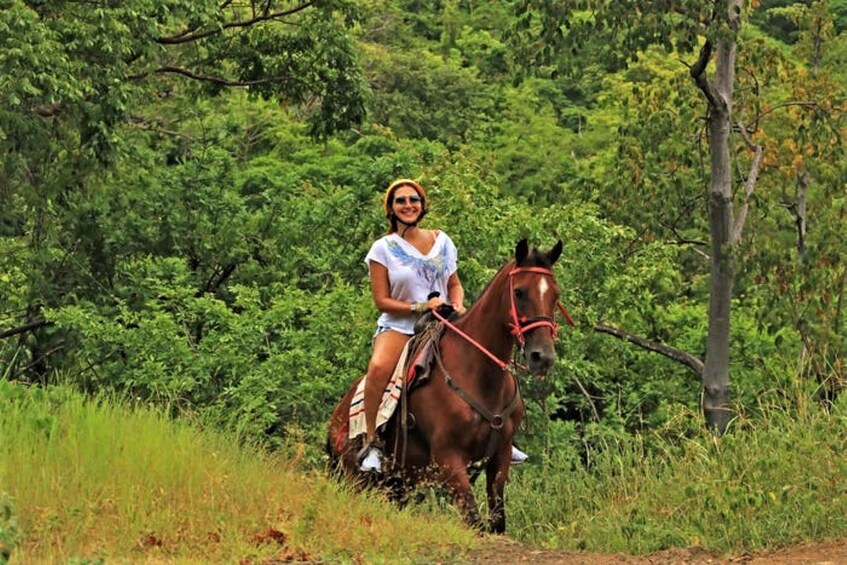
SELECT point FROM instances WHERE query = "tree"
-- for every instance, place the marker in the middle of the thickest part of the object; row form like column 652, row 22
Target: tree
column 77, row 78
column 805, row 165
column 724, row 234
column 617, row 32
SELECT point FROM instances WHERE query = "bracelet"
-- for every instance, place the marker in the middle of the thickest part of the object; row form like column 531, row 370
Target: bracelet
column 413, row 307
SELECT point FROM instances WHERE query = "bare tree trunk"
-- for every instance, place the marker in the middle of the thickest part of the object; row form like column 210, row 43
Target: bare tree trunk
column 716, row 390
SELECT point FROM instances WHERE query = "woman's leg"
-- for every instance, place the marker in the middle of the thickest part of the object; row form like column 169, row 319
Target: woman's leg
column 388, row 346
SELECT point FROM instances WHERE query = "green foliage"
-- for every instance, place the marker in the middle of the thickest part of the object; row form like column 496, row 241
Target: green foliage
column 9, row 533
column 612, row 33
column 250, row 363
column 83, row 88
column 778, row 18
column 838, row 8
column 194, row 246
column 636, row 495
column 530, row 151
column 423, row 96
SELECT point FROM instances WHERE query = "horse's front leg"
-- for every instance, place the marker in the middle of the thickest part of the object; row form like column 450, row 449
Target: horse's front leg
column 454, row 474
column 496, row 475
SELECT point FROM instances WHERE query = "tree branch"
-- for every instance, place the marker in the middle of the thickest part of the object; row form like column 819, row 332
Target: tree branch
column 25, row 328
column 800, row 212
column 191, row 34
column 749, row 186
column 589, row 399
column 680, row 240
column 690, row 361
column 143, row 123
column 207, row 78
column 49, row 110
column 698, row 73
column 217, row 279
column 787, row 105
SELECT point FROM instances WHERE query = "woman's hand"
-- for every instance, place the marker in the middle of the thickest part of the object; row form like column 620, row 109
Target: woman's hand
column 433, row 303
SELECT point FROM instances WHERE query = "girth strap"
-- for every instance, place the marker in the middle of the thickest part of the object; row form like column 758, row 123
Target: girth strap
column 496, row 421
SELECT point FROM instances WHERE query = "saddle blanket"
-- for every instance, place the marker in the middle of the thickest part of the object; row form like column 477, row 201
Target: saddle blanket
column 412, row 369
column 390, row 398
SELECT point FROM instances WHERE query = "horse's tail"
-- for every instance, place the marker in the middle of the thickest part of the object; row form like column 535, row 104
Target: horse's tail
column 332, row 447
column 337, row 443
column 334, row 460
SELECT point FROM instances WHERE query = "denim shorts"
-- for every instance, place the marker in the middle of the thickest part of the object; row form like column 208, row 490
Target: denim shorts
column 379, row 330
column 382, row 329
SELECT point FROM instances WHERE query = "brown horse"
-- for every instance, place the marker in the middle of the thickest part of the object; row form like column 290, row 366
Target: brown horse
column 470, row 407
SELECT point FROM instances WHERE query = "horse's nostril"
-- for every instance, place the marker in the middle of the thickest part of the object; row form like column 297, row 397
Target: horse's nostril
column 539, row 362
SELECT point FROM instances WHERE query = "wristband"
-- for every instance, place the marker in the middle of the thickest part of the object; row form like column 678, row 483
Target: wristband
column 413, row 307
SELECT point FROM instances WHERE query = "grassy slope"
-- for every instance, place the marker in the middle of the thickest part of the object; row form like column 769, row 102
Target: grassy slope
column 97, row 480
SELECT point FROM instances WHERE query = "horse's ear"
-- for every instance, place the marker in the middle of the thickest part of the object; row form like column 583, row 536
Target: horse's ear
column 554, row 253
column 521, row 251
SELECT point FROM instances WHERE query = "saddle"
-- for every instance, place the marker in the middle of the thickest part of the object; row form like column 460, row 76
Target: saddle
column 412, row 371
column 428, row 330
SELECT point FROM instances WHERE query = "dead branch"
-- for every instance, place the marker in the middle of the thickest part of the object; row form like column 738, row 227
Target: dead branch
column 191, row 34
column 749, row 185
column 690, row 361
column 31, row 326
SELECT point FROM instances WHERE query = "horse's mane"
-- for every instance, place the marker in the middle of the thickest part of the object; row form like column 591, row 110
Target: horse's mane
column 504, row 269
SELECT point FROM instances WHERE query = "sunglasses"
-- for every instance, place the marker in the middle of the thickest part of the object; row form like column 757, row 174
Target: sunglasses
column 401, row 200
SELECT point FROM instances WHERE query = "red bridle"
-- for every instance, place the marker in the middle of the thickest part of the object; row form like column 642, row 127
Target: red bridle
column 520, row 324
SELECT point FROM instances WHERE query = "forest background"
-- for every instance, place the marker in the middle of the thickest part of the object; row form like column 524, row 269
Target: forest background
column 187, row 194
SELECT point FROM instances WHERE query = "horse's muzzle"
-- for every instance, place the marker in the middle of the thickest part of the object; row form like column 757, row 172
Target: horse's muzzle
column 539, row 358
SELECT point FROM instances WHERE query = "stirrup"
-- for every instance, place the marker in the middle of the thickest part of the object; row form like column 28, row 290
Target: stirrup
column 518, row 456
column 370, row 459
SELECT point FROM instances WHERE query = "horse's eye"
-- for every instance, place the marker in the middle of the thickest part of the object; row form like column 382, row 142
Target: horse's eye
column 519, row 293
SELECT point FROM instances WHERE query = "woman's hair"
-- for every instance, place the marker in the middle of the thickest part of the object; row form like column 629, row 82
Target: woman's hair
column 388, row 201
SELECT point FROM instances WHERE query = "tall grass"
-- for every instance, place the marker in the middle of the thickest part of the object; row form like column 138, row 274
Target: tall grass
column 97, row 480
column 779, row 479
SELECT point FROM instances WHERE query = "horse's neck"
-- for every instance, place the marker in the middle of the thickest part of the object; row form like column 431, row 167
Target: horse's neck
column 486, row 320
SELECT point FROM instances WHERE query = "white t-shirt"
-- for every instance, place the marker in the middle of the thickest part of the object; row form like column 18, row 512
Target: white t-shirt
column 412, row 276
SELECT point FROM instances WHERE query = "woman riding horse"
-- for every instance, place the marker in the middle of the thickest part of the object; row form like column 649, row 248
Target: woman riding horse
column 470, row 407
column 411, row 269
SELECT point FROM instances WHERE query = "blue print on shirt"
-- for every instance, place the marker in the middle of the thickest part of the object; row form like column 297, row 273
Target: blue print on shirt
column 429, row 269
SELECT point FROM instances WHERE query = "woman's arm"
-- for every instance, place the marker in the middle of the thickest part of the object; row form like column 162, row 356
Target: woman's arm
column 456, row 292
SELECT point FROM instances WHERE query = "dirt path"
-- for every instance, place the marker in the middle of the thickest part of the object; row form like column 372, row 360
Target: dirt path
column 504, row 550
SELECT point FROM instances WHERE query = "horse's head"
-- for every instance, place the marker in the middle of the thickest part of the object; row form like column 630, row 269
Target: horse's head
column 534, row 296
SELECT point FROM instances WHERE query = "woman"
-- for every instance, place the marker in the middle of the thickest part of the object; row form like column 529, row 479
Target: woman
column 406, row 266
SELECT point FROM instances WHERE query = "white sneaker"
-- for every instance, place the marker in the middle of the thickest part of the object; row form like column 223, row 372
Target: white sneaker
column 518, row 456
column 372, row 462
